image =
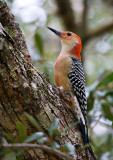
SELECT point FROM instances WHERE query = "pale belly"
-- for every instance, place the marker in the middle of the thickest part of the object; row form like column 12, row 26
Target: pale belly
column 62, row 69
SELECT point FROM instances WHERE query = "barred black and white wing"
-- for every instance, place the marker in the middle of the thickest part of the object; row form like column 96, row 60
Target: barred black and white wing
column 77, row 79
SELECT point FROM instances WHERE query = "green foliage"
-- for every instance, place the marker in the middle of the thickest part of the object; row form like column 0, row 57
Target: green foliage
column 102, row 90
column 3, row 1
column 70, row 148
column 53, row 129
column 104, row 144
column 90, row 101
column 22, row 131
column 37, row 137
column 107, row 77
column 6, row 153
column 33, row 121
column 42, row 140
column 19, row 154
column 55, row 145
column 10, row 137
column 38, row 42
column 11, row 1
column 34, row 136
column 107, row 110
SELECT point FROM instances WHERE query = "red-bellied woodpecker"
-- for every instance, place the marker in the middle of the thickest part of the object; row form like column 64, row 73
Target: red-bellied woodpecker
column 69, row 75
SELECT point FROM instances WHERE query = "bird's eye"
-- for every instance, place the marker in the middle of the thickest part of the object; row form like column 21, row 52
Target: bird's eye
column 68, row 34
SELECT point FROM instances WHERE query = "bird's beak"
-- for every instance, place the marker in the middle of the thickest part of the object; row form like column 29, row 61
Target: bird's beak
column 58, row 33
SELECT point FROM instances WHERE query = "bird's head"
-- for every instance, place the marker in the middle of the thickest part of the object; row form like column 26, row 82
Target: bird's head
column 71, row 43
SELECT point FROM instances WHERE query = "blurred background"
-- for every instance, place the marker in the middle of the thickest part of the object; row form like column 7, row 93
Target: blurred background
column 92, row 20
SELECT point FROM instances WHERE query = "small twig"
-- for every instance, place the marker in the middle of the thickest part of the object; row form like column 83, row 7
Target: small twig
column 31, row 146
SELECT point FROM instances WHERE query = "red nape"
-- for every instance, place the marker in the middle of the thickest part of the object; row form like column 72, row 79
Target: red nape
column 75, row 51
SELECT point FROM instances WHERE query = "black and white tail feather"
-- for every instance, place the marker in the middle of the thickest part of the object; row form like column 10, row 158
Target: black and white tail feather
column 77, row 79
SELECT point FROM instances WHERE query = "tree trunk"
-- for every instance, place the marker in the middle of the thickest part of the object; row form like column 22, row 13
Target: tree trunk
column 24, row 89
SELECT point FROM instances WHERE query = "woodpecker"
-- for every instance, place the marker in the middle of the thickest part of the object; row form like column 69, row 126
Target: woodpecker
column 69, row 76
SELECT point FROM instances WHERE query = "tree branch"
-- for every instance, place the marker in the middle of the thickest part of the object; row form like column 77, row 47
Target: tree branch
column 66, row 12
column 84, row 16
column 97, row 32
column 27, row 146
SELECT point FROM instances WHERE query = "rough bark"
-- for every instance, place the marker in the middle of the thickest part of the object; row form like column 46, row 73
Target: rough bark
column 24, row 89
column 66, row 13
